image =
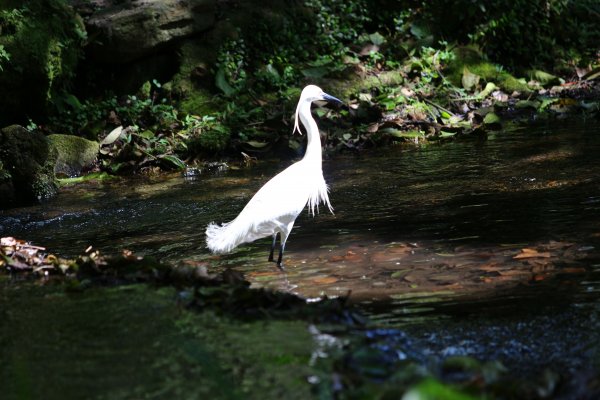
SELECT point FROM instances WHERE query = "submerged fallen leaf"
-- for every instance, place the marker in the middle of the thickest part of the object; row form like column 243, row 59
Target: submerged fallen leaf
column 513, row 272
column 573, row 270
column 531, row 253
column 490, row 267
column 326, row 280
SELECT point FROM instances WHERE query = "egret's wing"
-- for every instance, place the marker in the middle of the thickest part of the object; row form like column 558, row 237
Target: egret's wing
column 284, row 195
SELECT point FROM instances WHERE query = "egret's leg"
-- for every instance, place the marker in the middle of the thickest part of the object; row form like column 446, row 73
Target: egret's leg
column 282, row 240
column 279, row 263
column 273, row 246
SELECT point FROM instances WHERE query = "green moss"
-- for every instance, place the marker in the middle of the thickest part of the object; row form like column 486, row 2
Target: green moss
column 44, row 187
column 353, row 84
column 215, row 140
column 96, row 176
column 73, row 153
column 269, row 359
column 44, row 40
column 30, row 160
column 198, row 101
column 512, row 84
column 474, row 61
column 193, row 77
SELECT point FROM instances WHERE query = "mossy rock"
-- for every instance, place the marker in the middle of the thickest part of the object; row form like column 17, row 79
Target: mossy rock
column 353, row 84
column 211, row 141
column 194, row 78
column 7, row 190
column 544, row 78
column 29, row 159
column 74, row 154
column 198, row 101
column 469, row 59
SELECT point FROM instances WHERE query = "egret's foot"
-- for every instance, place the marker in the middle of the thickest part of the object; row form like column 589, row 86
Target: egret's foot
column 271, row 259
column 280, row 266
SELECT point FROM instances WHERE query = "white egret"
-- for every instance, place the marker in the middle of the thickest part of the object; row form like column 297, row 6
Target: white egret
column 274, row 208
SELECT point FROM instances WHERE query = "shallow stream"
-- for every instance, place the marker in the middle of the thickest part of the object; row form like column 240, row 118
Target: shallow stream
column 485, row 247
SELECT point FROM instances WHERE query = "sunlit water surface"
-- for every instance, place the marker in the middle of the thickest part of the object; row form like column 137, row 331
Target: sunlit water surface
column 449, row 219
column 492, row 241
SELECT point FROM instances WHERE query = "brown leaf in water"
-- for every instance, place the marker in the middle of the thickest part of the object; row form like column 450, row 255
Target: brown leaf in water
column 392, row 253
column 401, row 249
column 513, row 272
column 491, row 267
column 537, row 266
column 326, row 280
column 349, row 256
column 443, row 278
column 531, row 253
column 554, row 245
column 352, row 256
column 573, row 270
column 513, row 277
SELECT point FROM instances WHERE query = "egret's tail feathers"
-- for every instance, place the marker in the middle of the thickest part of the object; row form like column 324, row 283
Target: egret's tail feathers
column 221, row 238
column 226, row 237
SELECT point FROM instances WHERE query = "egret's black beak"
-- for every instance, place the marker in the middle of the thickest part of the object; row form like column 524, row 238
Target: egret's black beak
column 331, row 98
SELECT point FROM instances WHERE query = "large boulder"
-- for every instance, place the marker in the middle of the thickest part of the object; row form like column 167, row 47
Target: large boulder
column 73, row 154
column 131, row 30
column 28, row 159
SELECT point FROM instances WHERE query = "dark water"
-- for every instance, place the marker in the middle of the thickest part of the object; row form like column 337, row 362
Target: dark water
column 405, row 219
column 478, row 247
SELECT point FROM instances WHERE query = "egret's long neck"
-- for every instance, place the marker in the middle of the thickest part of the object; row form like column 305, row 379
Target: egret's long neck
column 313, row 148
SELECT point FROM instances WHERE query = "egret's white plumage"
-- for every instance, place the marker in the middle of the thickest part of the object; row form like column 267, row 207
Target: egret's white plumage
column 274, row 208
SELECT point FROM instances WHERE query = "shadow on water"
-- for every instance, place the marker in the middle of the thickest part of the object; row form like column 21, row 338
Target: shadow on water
column 487, row 248
column 450, row 219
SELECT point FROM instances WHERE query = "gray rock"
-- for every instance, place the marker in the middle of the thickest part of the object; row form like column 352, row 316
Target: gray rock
column 123, row 31
column 29, row 160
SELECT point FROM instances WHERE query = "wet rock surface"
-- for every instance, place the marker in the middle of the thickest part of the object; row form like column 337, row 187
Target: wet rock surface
column 128, row 31
column 29, row 159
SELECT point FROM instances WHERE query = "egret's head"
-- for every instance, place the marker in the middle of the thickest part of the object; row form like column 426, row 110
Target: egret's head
column 309, row 94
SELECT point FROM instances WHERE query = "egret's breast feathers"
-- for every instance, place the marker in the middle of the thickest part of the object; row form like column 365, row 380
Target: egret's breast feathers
column 319, row 194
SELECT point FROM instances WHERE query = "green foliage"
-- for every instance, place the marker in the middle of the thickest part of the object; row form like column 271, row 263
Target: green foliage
column 281, row 48
column 338, row 23
column 41, row 43
column 28, row 32
column 430, row 62
column 517, row 33
column 155, row 134
column 146, row 110
column 4, row 56
column 231, row 64
column 205, row 134
column 414, row 44
column 136, row 149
